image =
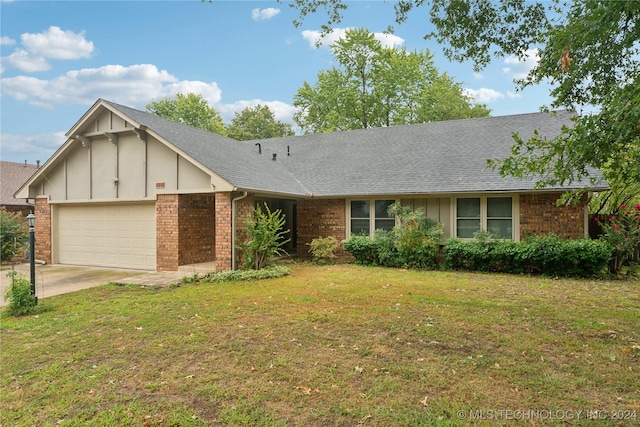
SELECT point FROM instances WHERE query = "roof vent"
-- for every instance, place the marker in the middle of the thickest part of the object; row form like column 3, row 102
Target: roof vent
column 274, row 156
column 259, row 147
column 288, row 152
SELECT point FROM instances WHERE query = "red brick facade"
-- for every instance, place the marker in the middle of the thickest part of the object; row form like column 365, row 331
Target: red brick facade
column 167, row 232
column 223, row 231
column 321, row 218
column 43, row 230
column 185, row 230
column 540, row 215
column 193, row 228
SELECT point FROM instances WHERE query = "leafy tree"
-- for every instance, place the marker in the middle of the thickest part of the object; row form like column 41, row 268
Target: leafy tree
column 190, row 109
column 13, row 233
column 257, row 123
column 588, row 51
column 376, row 86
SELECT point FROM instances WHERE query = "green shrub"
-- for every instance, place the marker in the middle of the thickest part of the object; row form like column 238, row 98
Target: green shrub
column 412, row 243
column 270, row 272
column 18, row 294
column 548, row 255
column 622, row 233
column 13, row 234
column 363, row 248
column 323, row 248
column 266, row 237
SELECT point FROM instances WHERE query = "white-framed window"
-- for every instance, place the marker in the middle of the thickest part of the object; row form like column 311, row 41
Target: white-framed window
column 494, row 214
column 365, row 216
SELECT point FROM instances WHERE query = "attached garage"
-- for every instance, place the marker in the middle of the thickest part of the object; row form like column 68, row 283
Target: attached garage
column 121, row 235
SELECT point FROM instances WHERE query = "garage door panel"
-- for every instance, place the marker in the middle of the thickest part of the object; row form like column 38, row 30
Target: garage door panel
column 116, row 235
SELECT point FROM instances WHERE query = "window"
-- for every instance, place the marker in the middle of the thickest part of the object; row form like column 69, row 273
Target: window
column 367, row 216
column 493, row 214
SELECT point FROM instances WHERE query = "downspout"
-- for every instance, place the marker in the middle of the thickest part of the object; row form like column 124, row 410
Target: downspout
column 233, row 229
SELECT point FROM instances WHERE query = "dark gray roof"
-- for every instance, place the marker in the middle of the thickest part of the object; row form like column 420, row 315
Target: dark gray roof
column 429, row 158
column 235, row 161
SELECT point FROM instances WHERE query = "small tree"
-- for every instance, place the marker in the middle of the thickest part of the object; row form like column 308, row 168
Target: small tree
column 13, row 234
column 622, row 232
column 18, row 294
column 266, row 237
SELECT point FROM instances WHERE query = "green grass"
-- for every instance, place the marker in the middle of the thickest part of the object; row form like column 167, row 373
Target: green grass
column 327, row 346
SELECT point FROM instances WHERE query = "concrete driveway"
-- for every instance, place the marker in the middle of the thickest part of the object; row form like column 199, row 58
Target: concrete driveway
column 59, row 279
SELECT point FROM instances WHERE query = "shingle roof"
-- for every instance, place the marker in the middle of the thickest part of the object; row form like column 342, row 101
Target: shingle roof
column 429, row 158
column 235, row 161
column 12, row 177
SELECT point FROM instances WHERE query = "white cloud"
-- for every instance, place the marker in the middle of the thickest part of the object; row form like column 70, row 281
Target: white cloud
column 25, row 61
column 51, row 44
column 513, row 95
column 38, row 146
column 519, row 68
column 315, row 38
column 264, row 14
column 7, row 41
column 478, row 76
column 57, row 44
column 483, row 95
column 135, row 85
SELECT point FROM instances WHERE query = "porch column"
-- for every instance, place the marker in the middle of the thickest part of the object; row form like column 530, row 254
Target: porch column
column 167, row 232
column 223, row 242
column 42, row 211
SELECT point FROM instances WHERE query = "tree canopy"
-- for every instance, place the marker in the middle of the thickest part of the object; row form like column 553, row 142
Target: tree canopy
column 257, row 123
column 589, row 52
column 374, row 86
column 190, row 109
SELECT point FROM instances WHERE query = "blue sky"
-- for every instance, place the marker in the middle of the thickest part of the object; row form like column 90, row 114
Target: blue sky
column 59, row 57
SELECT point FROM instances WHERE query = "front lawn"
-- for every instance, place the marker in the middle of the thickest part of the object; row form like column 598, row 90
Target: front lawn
column 329, row 346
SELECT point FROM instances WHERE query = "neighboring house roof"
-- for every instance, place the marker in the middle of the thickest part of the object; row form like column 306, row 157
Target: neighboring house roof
column 12, row 176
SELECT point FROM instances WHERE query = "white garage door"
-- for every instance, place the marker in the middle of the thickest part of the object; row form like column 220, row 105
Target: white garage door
column 110, row 235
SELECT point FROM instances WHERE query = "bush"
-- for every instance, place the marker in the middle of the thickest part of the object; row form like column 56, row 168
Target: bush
column 363, row 248
column 270, row 272
column 18, row 294
column 13, row 234
column 622, row 233
column 323, row 249
column 266, row 237
column 547, row 255
column 413, row 242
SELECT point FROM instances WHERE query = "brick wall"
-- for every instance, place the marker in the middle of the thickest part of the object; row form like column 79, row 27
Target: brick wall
column 223, row 231
column 196, row 228
column 539, row 215
column 167, row 232
column 42, row 211
column 320, row 218
column 185, row 230
column 244, row 208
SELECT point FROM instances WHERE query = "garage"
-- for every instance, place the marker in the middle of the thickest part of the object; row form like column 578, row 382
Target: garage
column 120, row 235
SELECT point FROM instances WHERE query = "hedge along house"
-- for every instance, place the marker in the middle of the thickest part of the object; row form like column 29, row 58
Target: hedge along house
column 132, row 190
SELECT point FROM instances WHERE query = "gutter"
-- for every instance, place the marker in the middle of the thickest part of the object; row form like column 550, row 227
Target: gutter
column 233, row 228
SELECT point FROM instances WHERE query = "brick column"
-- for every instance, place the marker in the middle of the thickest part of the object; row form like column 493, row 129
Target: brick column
column 42, row 211
column 167, row 233
column 223, row 241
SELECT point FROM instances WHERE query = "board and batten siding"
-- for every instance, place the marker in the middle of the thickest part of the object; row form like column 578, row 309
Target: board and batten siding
column 114, row 163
